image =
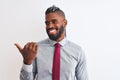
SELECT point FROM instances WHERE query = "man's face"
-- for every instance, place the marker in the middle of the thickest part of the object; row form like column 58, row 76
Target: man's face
column 55, row 26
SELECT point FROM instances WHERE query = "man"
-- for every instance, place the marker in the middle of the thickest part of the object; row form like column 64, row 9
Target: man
column 38, row 57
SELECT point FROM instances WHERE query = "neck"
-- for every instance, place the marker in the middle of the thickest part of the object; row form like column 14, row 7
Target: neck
column 61, row 38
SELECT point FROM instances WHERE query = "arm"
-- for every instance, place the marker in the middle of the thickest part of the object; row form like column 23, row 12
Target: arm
column 28, row 72
column 81, row 72
column 29, row 53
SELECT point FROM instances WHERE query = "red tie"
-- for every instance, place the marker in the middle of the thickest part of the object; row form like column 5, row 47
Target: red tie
column 56, row 63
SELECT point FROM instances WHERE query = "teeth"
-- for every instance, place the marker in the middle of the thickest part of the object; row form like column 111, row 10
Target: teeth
column 52, row 31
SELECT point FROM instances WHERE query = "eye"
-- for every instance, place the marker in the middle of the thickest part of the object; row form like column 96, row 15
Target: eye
column 47, row 23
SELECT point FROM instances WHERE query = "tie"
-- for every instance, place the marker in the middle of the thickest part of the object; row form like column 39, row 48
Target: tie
column 56, row 63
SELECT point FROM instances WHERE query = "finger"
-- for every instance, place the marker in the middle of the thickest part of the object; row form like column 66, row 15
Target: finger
column 27, row 46
column 19, row 47
column 31, row 45
column 34, row 47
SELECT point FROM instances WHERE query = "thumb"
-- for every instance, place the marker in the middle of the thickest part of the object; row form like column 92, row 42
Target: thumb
column 19, row 47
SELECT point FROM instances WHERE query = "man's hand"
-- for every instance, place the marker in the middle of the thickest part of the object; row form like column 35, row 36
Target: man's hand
column 29, row 52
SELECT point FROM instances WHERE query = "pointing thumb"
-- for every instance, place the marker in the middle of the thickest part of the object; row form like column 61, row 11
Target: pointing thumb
column 19, row 47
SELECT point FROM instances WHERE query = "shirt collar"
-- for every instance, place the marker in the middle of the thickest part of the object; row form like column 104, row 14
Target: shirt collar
column 62, row 42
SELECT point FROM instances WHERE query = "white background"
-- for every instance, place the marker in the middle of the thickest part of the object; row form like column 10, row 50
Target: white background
column 93, row 24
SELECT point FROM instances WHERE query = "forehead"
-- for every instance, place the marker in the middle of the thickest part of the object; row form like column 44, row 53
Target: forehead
column 51, row 16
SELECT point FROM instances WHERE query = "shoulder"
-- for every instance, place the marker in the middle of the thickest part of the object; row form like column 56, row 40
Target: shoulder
column 75, row 49
column 43, row 42
column 73, row 45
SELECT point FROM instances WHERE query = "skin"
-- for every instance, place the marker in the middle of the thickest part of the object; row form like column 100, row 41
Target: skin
column 30, row 50
column 55, row 20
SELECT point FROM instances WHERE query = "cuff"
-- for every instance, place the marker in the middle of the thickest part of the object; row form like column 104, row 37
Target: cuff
column 27, row 68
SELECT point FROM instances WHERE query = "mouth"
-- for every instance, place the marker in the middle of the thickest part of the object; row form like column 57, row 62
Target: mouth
column 52, row 31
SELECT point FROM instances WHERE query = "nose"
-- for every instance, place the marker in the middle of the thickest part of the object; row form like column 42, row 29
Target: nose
column 51, row 25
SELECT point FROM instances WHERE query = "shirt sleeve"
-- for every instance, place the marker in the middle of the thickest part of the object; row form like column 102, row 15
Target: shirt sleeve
column 81, row 71
column 28, row 72
column 27, row 68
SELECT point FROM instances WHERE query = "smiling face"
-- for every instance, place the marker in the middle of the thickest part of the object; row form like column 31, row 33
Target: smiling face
column 55, row 26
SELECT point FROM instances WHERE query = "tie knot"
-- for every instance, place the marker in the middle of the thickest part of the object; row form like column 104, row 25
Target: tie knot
column 57, row 45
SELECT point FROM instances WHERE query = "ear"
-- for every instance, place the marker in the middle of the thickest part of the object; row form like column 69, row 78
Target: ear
column 65, row 23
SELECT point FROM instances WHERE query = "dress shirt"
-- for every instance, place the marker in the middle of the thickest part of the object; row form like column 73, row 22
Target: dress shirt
column 72, row 67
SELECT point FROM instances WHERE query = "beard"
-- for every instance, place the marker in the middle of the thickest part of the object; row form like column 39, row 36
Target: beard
column 57, row 35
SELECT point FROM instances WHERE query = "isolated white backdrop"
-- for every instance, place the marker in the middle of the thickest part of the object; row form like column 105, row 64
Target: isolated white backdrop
column 93, row 24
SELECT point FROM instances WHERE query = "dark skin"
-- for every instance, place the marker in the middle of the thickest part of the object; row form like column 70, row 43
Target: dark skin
column 55, row 20
column 30, row 50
